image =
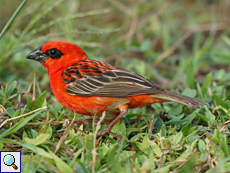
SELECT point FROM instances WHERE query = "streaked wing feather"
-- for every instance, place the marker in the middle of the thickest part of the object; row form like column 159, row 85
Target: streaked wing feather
column 100, row 79
column 94, row 78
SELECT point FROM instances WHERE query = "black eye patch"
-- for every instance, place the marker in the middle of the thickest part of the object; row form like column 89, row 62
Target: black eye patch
column 54, row 53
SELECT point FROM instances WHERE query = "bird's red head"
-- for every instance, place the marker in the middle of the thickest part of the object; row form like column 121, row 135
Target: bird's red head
column 57, row 55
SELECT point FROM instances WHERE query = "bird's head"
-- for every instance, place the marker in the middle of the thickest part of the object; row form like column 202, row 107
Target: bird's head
column 57, row 55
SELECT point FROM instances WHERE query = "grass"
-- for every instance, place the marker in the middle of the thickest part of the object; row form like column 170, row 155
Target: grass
column 181, row 46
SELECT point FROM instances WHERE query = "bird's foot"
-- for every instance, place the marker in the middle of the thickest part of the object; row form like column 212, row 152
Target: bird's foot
column 119, row 137
column 124, row 110
column 108, row 131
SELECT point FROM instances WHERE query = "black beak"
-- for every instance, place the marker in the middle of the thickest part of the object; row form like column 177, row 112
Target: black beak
column 37, row 55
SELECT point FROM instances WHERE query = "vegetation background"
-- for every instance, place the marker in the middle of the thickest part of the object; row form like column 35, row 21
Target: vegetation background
column 183, row 46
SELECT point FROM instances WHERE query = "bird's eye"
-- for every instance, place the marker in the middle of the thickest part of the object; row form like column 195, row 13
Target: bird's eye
column 54, row 53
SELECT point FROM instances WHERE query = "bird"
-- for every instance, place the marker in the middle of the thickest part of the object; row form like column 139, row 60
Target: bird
column 91, row 87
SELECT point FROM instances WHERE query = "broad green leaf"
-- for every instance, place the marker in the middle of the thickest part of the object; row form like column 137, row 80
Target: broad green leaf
column 186, row 129
column 29, row 104
column 62, row 166
column 172, row 130
column 210, row 116
column 11, row 88
column 163, row 130
column 24, row 135
column 119, row 128
column 201, row 145
column 189, row 118
column 207, row 82
column 203, row 156
column 177, row 138
column 34, row 133
column 49, row 131
column 176, row 111
column 225, row 167
column 224, row 145
column 19, row 125
column 109, row 152
column 40, row 100
column 175, row 119
column 191, row 134
column 200, row 93
column 3, row 90
column 11, row 112
column 203, row 118
column 41, row 139
column 29, row 140
column 158, row 123
column 144, row 146
column 36, row 150
column 156, row 149
column 89, row 141
column 222, row 160
column 58, row 107
column 8, row 141
column 220, row 102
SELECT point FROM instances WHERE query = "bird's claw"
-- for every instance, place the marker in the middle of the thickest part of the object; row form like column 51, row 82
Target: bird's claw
column 107, row 131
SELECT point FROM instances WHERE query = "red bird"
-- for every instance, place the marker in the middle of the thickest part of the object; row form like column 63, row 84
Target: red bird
column 90, row 87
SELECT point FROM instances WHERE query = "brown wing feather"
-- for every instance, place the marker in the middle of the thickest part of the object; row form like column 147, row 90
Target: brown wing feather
column 94, row 78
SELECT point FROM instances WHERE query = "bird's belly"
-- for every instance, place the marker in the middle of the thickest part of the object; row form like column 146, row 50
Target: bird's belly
column 90, row 105
column 143, row 100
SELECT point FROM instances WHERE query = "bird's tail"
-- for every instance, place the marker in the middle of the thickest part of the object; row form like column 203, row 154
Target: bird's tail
column 174, row 97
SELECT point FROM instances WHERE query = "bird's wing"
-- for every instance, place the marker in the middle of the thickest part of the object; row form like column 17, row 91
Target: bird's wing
column 94, row 78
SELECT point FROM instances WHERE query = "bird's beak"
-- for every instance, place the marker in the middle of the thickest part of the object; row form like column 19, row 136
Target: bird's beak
column 37, row 55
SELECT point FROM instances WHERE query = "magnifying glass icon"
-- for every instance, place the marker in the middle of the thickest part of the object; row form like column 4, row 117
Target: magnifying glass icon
column 9, row 160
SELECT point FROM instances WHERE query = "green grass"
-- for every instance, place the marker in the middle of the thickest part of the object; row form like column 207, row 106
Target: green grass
column 183, row 46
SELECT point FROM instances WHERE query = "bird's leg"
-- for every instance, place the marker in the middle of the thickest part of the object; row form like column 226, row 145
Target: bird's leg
column 124, row 110
column 119, row 137
column 84, row 121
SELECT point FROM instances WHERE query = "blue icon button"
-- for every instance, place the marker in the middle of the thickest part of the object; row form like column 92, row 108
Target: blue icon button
column 9, row 160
